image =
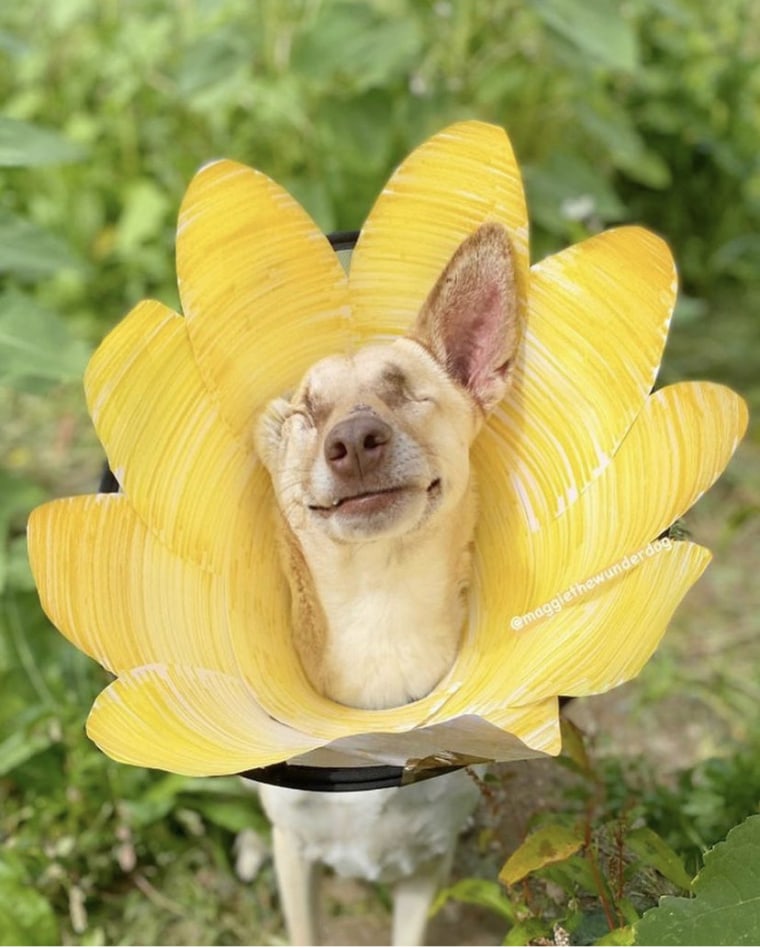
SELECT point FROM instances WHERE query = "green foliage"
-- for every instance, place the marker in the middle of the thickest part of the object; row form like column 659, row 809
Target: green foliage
column 643, row 111
column 725, row 910
column 80, row 831
column 705, row 802
column 26, row 917
column 610, row 848
column 24, row 145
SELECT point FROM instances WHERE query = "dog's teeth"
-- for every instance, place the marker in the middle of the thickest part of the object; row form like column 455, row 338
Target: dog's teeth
column 336, row 502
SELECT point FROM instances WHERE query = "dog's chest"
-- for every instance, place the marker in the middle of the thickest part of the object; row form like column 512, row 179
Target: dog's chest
column 379, row 835
column 389, row 645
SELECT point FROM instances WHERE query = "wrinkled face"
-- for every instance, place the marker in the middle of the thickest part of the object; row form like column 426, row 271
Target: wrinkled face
column 373, row 445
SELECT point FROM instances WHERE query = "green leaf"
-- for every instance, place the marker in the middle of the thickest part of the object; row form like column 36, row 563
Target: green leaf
column 526, row 931
column 30, row 737
column 615, row 131
column 26, row 918
column 352, row 43
column 543, row 847
column 18, row 573
column 621, row 937
column 36, row 345
column 233, row 814
column 30, row 251
column 574, row 746
column 565, row 188
column 481, row 893
column 17, row 498
column 649, row 847
column 596, row 28
column 23, row 144
column 726, row 909
column 146, row 209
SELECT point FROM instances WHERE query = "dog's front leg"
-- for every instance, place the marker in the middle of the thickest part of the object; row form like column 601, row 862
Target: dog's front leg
column 298, row 885
column 412, row 897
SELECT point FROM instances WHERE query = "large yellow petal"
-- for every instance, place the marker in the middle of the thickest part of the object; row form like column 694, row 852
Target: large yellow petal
column 609, row 639
column 189, row 721
column 118, row 594
column 597, row 320
column 187, row 475
column 441, row 193
column 262, row 290
column 677, row 447
column 595, row 639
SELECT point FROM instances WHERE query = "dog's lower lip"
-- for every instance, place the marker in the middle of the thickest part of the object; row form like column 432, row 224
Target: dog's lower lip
column 369, row 498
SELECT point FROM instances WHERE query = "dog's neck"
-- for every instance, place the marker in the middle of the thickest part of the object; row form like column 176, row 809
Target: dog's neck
column 377, row 624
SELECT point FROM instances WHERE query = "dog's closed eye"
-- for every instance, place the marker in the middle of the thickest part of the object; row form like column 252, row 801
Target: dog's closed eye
column 396, row 388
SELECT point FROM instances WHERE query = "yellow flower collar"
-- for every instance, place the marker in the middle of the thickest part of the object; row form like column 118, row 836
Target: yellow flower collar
column 174, row 584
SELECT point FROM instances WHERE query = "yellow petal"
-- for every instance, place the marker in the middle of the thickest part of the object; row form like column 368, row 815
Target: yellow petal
column 262, row 290
column 597, row 320
column 112, row 589
column 441, row 193
column 177, row 461
column 189, row 721
column 674, row 451
column 601, row 639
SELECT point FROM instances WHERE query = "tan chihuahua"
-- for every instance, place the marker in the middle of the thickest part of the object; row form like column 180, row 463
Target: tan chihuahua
column 370, row 464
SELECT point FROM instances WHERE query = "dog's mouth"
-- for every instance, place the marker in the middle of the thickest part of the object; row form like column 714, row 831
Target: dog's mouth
column 369, row 502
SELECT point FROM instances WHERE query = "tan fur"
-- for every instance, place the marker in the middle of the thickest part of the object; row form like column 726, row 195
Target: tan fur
column 369, row 460
column 379, row 603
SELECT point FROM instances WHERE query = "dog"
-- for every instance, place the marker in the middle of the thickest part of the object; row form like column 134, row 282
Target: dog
column 369, row 460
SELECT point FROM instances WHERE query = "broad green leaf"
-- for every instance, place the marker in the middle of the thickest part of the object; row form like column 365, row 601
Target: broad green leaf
column 23, row 144
column 26, row 741
column 350, row 41
column 616, row 132
column 36, row 345
column 726, row 908
column 565, row 188
column 652, row 850
column 597, row 30
column 543, row 847
column 28, row 251
column 232, row 814
column 477, row 891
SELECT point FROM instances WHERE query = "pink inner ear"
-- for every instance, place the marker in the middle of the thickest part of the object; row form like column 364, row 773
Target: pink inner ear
column 469, row 319
column 474, row 335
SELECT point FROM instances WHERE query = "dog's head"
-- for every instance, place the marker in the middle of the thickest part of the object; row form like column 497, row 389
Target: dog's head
column 376, row 444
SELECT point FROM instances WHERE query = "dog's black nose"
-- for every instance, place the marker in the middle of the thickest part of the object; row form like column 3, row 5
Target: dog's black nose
column 357, row 444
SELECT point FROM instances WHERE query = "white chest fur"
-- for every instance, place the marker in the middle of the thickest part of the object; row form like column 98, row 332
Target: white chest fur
column 394, row 615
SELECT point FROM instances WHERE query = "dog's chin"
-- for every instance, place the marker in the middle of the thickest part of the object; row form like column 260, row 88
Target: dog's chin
column 373, row 515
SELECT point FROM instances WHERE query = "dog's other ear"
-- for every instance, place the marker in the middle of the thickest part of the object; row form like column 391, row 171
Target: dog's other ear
column 469, row 320
column 267, row 434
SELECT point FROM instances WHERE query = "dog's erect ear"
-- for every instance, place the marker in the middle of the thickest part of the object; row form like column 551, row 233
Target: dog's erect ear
column 469, row 320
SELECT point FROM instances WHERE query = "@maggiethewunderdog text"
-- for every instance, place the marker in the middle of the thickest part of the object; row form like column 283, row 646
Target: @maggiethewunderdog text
column 556, row 604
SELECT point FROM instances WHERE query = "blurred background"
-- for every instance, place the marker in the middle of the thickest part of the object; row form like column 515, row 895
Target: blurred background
column 645, row 111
